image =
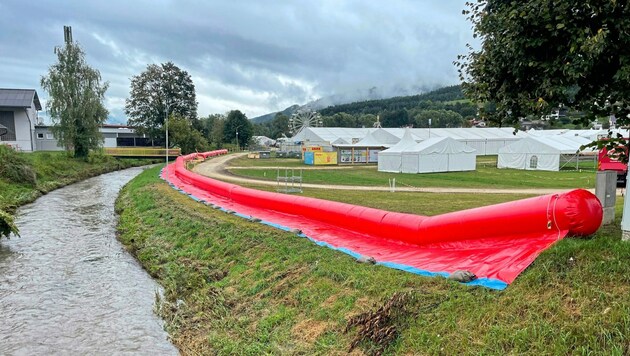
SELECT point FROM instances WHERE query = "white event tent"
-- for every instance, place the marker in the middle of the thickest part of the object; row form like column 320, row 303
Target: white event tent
column 390, row 160
column 544, row 153
column 436, row 154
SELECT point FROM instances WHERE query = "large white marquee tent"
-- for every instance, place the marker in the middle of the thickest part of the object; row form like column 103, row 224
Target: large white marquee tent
column 436, row 154
column 545, row 153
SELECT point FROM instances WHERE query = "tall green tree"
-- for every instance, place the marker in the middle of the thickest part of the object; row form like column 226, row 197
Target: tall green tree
column 76, row 99
column 185, row 136
column 279, row 126
column 439, row 118
column 160, row 89
column 540, row 54
column 235, row 122
column 206, row 124
column 396, row 118
column 217, row 134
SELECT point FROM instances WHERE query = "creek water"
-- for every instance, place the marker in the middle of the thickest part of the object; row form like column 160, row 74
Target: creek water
column 67, row 286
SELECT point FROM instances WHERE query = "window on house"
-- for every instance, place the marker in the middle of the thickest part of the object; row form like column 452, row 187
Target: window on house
column 7, row 120
column 533, row 162
column 40, row 135
column 49, row 136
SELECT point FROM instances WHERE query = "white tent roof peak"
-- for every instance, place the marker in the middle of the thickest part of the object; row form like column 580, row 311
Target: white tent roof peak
column 405, row 142
column 383, row 136
column 441, row 145
column 377, row 138
column 339, row 141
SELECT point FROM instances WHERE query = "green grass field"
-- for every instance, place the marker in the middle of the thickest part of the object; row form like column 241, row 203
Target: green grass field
column 269, row 162
column 237, row 287
column 486, row 175
column 405, row 202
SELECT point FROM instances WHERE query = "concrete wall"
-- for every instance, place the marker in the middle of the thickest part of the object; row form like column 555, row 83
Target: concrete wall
column 110, row 139
column 45, row 141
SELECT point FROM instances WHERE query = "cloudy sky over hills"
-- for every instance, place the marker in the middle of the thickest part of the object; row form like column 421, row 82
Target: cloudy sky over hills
column 255, row 56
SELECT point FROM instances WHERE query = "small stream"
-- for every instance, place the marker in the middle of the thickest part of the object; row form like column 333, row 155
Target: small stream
column 67, row 286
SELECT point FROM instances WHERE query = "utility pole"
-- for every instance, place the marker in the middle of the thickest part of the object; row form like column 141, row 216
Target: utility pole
column 67, row 34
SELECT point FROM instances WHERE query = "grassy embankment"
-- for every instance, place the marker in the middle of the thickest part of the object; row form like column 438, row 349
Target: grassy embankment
column 237, row 287
column 486, row 175
column 26, row 176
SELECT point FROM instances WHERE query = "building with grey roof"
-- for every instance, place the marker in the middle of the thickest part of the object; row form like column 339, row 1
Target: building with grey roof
column 18, row 115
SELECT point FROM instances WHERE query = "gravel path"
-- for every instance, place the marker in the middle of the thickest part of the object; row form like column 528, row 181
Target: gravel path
column 216, row 168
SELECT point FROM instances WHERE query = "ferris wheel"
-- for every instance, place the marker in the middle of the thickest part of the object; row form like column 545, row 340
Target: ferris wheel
column 304, row 118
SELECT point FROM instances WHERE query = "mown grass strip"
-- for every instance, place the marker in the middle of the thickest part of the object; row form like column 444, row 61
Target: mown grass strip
column 234, row 286
column 485, row 176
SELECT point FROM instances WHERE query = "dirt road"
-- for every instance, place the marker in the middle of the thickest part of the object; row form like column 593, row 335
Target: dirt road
column 216, row 168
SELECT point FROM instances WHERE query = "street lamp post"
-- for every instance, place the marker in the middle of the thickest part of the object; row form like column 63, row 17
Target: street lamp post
column 166, row 125
column 236, row 129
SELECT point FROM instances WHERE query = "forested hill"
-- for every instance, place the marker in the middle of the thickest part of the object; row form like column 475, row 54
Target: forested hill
column 446, row 94
column 288, row 112
column 445, row 107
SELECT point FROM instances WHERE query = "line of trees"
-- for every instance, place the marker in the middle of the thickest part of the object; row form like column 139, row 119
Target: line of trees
column 76, row 96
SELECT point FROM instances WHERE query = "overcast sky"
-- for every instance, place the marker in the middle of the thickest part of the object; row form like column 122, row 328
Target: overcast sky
column 257, row 56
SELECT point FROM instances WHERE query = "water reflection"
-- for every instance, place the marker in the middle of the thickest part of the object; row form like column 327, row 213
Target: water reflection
column 68, row 287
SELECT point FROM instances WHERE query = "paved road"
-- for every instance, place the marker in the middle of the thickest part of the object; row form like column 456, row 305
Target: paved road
column 216, row 168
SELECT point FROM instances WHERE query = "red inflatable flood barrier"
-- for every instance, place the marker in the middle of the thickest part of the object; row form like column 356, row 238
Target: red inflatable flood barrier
column 495, row 242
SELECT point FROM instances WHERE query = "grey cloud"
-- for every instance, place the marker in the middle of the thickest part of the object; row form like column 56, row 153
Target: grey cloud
column 259, row 55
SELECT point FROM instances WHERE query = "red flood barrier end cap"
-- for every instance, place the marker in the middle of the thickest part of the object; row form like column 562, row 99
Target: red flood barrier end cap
column 578, row 211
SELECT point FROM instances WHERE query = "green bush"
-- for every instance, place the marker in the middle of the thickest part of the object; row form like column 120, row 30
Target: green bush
column 7, row 226
column 15, row 168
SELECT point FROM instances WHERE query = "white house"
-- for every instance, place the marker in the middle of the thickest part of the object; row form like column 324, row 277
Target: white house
column 18, row 114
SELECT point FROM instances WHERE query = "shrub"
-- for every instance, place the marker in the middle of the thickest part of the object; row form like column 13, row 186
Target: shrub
column 7, row 226
column 15, row 168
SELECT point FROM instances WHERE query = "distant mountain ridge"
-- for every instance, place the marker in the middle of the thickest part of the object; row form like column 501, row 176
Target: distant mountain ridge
column 268, row 117
column 445, row 94
column 367, row 101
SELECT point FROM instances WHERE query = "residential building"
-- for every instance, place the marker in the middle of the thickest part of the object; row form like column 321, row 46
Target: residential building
column 18, row 114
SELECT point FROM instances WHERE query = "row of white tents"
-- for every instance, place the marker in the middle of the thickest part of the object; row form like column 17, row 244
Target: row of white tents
column 486, row 141
column 444, row 150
